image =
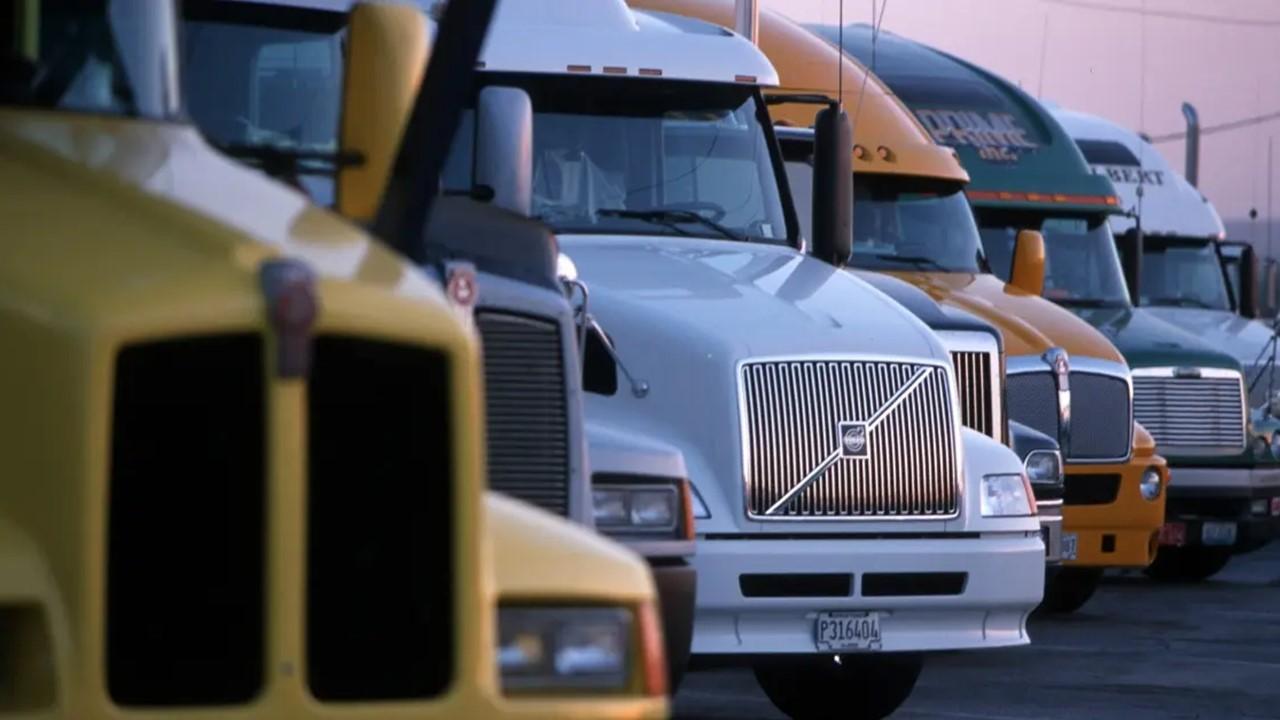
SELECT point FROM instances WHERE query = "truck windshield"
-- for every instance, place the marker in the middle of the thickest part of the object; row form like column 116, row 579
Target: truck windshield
column 1182, row 272
column 651, row 157
column 105, row 57
column 260, row 75
column 1081, row 268
column 898, row 223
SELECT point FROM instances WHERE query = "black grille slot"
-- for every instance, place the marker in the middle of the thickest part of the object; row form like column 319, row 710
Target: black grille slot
column 1091, row 489
column 527, row 412
column 913, row 584
column 796, row 585
column 379, row 560
column 185, row 543
column 1033, row 401
column 1100, row 417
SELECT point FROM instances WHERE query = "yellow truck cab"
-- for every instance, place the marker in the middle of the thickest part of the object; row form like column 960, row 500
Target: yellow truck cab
column 242, row 443
column 905, row 182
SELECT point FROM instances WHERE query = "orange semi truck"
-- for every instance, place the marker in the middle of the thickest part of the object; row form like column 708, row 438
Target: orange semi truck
column 911, row 221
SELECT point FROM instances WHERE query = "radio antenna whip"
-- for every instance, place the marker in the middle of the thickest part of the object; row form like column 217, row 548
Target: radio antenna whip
column 876, row 23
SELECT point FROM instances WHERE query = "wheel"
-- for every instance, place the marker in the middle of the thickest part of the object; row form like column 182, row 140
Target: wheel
column 1070, row 588
column 859, row 687
column 1188, row 564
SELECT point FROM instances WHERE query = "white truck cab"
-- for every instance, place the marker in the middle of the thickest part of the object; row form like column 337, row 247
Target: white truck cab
column 846, row 521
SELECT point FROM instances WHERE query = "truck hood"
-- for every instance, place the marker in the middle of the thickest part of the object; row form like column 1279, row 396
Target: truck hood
column 1242, row 338
column 1148, row 341
column 683, row 314
column 142, row 208
column 1030, row 324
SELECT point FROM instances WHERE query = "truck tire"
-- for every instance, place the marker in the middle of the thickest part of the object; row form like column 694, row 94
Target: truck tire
column 860, row 687
column 1070, row 588
column 1188, row 564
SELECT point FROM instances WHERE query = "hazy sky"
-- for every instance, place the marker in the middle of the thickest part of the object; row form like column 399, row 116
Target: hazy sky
column 1221, row 55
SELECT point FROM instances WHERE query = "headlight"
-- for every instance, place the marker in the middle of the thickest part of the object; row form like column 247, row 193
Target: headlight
column 1007, row 496
column 636, row 508
column 1044, row 467
column 548, row 649
column 1151, row 484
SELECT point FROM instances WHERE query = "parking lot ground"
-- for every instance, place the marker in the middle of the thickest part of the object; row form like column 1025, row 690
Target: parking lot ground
column 1139, row 650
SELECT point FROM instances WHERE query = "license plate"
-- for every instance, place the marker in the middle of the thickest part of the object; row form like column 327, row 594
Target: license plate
column 1275, row 507
column 1070, row 543
column 843, row 631
column 1218, row 533
column 1174, row 534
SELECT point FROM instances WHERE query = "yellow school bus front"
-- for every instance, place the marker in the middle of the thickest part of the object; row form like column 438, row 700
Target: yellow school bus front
column 893, row 152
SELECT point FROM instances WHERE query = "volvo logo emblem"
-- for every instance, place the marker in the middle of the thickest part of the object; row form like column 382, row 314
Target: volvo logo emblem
column 853, row 440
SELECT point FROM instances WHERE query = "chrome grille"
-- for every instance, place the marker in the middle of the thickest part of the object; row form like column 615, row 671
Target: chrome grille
column 1101, row 419
column 791, row 415
column 527, row 411
column 1190, row 413
column 974, row 385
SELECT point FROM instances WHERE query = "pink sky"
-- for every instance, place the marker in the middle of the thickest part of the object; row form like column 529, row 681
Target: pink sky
column 1093, row 61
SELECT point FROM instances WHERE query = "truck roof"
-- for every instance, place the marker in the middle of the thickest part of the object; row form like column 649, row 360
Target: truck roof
column 1017, row 155
column 1170, row 205
column 605, row 37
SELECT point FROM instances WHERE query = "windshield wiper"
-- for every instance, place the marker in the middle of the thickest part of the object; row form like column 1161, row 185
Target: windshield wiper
column 1089, row 302
column 669, row 218
column 1181, row 302
column 919, row 261
column 280, row 160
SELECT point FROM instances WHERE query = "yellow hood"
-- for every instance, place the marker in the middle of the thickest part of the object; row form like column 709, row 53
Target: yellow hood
column 1029, row 323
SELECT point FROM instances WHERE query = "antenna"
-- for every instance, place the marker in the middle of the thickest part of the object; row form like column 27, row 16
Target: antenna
column 840, row 57
column 876, row 23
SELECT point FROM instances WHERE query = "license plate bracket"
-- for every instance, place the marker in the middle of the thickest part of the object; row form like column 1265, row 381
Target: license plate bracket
column 847, row 630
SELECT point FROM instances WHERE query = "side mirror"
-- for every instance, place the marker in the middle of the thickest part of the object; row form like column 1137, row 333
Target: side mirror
column 1130, row 247
column 1271, row 289
column 832, row 186
column 387, row 47
column 504, row 148
column 1247, row 303
column 1028, row 262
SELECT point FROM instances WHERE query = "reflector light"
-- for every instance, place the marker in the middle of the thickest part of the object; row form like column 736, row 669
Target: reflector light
column 292, row 306
column 745, row 79
column 1007, row 196
column 580, row 68
column 614, row 70
column 650, row 72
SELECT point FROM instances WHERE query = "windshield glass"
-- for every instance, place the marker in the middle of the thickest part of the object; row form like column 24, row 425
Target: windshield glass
column 898, row 223
column 106, row 57
column 1082, row 266
column 644, row 157
column 264, row 75
column 1182, row 273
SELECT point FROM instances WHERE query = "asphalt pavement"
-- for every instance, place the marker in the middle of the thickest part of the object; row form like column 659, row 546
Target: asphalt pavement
column 1139, row 650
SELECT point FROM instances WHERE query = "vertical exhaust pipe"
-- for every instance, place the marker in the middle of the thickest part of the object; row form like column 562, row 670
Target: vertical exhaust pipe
column 1192, row 170
column 746, row 19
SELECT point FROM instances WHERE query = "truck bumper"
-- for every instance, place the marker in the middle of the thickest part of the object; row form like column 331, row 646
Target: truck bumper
column 1106, row 517
column 1235, row 507
column 1050, row 514
column 677, row 593
column 762, row 596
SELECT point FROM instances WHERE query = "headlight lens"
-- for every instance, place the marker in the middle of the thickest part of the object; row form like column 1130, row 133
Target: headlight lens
column 1007, row 496
column 1151, row 484
column 1044, row 467
column 636, row 508
column 547, row 649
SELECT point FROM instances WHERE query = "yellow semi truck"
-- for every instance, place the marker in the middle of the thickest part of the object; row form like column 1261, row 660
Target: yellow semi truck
column 242, row 442
column 911, row 220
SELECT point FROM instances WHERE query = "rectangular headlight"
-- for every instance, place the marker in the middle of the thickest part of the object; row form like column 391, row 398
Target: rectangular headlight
column 640, row 508
column 556, row 649
column 1007, row 496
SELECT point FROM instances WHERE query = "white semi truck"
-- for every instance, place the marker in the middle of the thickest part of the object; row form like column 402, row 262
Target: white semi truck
column 847, row 522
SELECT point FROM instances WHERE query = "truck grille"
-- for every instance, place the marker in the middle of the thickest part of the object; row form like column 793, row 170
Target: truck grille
column 1033, row 401
column 793, row 411
column 527, row 410
column 1187, row 413
column 185, row 533
column 379, row 616
column 974, row 383
column 1101, row 421
column 1101, row 418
